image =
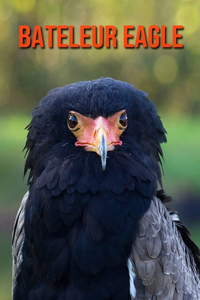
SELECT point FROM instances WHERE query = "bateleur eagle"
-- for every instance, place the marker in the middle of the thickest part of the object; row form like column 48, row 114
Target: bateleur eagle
column 92, row 225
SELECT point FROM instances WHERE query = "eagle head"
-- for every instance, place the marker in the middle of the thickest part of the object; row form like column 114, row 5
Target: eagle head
column 95, row 135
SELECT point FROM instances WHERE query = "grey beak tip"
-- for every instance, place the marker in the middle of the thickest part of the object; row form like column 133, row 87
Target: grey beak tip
column 103, row 153
column 103, row 167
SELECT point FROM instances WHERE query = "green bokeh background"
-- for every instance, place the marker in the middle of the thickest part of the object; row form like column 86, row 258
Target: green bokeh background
column 170, row 77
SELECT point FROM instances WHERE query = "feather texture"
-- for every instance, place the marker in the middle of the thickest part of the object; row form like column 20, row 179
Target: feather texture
column 18, row 238
column 164, row 266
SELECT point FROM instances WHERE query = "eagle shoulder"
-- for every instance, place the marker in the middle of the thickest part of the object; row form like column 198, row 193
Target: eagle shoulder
column 164, row 266
column 18, row 237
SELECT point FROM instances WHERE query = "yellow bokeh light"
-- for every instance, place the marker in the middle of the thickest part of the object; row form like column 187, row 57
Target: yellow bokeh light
column 23, row 6
column 165, row 69
column 188, row 16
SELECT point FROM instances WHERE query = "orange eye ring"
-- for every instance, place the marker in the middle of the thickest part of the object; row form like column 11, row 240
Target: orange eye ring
column 123, row 121
column 73, row 122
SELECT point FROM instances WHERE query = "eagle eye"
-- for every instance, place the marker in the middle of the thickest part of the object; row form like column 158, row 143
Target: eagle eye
column 123, row 121
column 73, row 122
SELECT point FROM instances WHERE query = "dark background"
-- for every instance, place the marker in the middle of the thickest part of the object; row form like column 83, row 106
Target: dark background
column 170, row 77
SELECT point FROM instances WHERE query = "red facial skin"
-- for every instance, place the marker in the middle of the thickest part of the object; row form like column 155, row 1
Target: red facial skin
column 98, row 135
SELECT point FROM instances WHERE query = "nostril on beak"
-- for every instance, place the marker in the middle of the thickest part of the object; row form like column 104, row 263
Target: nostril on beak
column 94, row 133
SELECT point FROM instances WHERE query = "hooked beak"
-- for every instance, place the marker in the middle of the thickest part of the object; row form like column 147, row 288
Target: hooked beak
column 98, row 135
column 101, row 146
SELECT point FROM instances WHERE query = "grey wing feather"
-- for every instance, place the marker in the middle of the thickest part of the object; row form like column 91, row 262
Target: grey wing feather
column 18, row 237
column 164, row 266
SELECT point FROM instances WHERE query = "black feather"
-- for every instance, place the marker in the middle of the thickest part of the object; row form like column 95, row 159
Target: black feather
column 81, row 221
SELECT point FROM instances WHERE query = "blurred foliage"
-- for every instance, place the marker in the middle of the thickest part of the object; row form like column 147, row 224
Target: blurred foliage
column 170, row 77
column 6, row 267
column 12, row 141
